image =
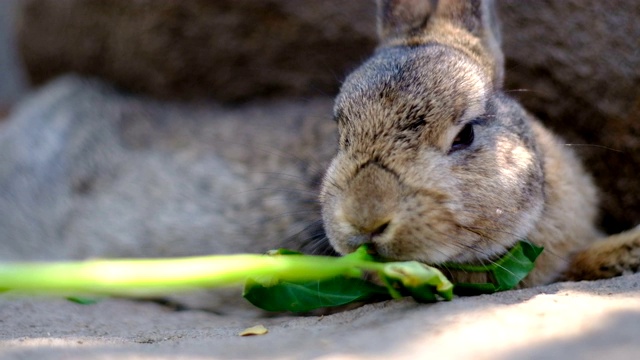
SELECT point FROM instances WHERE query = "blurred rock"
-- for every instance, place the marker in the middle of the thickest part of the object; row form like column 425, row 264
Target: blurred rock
column 225, row 49
column 578, row 62
column 86, row 172
column 14, row 81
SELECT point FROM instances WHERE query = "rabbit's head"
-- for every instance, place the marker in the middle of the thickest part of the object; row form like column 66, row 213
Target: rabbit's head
column 435, row 163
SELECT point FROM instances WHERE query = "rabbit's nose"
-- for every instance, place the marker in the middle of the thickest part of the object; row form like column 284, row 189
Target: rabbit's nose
column 370, row 205
column 369, row 235
column 380, row 229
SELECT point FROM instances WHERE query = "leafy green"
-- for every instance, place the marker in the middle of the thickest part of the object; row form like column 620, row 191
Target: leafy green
column 422, row 282
column 82, row 300
column 506, row 272
column 282, row 280
column 418, row 280
column 310, row 295
column 272, row 294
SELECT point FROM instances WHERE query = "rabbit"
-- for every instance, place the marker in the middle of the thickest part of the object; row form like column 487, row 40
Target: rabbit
column 436, row 163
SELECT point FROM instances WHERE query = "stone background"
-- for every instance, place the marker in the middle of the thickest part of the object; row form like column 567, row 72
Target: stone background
column 14, row 79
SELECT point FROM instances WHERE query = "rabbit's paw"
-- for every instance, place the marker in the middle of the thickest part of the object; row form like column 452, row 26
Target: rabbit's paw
column 614, row 256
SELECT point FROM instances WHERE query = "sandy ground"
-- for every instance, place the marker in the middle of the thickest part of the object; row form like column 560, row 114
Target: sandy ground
column 587, row 320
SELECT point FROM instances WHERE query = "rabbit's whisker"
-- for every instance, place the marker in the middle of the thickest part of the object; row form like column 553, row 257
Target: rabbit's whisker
column 595, row 146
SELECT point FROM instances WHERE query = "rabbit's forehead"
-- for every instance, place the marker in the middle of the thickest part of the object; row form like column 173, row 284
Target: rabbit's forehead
column 435, row 84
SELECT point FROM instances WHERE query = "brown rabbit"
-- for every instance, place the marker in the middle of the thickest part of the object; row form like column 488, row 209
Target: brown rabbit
column 437, row 164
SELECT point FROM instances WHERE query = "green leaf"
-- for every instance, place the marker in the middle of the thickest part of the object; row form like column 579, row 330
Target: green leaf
column 507, row 272
column 514, row 267
column 310, row 295
column 272, row 294
column 420, row 281
column 286, row 280
column 82, row 300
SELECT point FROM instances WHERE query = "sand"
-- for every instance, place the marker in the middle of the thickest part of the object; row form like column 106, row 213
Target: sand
column 586, row 320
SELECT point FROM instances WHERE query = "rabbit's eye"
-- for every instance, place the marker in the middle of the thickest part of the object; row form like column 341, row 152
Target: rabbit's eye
column 463, row 139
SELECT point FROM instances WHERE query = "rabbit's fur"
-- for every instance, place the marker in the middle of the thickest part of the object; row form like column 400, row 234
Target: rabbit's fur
column 437, row 164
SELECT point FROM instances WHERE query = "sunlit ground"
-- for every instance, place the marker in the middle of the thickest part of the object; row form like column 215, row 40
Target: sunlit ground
column 568, row 321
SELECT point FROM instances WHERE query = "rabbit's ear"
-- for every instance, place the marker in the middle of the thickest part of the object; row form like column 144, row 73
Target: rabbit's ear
column 479, row 17
column 403, row 18
column 413, row 20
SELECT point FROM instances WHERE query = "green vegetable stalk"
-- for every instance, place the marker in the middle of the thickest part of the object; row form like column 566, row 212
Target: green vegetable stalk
column 146, row 277
column 282, row 280
column 141, row 277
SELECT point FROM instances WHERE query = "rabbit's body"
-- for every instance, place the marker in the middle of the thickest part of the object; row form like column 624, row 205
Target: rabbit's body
column 437, row 164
